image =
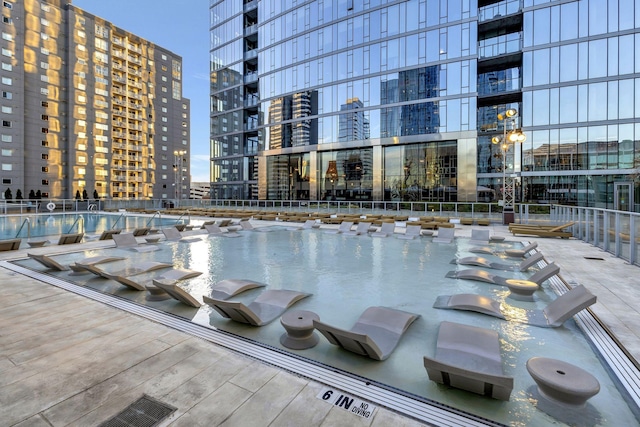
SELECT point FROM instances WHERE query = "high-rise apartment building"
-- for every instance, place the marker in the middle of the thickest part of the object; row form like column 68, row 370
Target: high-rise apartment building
column 88, row 108
column 414, row 91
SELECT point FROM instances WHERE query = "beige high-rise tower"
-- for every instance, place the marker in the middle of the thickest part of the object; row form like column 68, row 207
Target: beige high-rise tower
column 88, row 108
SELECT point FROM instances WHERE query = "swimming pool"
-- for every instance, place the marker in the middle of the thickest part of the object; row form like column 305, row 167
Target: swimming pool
column 346, row 275
column 14, row 226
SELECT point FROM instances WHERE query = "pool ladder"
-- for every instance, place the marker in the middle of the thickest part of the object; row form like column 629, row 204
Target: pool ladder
column 180, row 217
column 28, row 222
column 76, row 222
column 159, row 215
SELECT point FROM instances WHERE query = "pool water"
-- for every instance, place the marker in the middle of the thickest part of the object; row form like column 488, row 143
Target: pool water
column 348, row 274
column 11, row 226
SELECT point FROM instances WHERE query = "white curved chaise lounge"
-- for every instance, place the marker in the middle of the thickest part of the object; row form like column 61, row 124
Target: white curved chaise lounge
column 552, row 316
column 375, row 334
column 483, row 262
column 478, row 275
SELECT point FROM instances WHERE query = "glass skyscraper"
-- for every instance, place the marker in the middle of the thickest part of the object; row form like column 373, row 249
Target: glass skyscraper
column 399, row 100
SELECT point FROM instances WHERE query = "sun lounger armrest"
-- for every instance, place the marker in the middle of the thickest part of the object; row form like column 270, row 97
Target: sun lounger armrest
column 495, row 386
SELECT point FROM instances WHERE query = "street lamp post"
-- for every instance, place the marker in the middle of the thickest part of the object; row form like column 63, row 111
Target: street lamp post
column 508, row 180
column 179, row 161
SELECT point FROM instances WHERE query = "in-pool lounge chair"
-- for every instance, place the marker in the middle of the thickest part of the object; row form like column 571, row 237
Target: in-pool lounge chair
column 375, row 334
column 247, row 226
column 167, row 276
column 79, row 266
column 128, row 241
column 139, row 268
column 308, row 224
column 468, row 358
column 176, row 292
column 105, row 235
column 228, row 288
column 10, row 244
column 552, row 316
column 214, row 230
column 48, row 262
column 343, row 227
column 483, row 262
column 361, row 228
column 445, row 235
column 386, row 230
column 68, row 239
column 478, row 275
column 264, row 309
column 173, row 235
column 515, row 253
column 480, row 236
column 411, row 232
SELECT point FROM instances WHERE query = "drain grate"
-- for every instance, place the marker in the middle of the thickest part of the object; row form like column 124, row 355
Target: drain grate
column 144, row 412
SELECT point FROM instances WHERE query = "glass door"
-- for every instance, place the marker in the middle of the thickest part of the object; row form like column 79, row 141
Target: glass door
column 623, row 196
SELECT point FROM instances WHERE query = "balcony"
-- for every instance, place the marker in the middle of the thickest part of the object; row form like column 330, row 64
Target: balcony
column 499, row 10
column 250, row 5
column 251, row 77
column 501, row 45
column 251, row 54
column 252, row 29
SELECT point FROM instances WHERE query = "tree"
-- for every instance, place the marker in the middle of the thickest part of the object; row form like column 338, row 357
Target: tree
column 19, row 194
column 78, row 195
column 32, row 195
column 8, row 195
column 85, row 195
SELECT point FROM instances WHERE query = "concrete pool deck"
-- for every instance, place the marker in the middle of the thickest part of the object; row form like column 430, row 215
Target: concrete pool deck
column 68, row 360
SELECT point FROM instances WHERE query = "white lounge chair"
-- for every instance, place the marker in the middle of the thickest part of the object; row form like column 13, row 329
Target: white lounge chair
column 343, row 227
column 139, row 268
column 10, row 244
column 468, row 358
column 176, row 292
column 386, row 230
column 445, row 235
column 227, row 288
column 215, row 230
column 247, row 226
column 480, row 236
column 308, row 224
column 361, row 228
column 478, row 275
column 79, row 266
column 411, row 232
column 68, row 239
column 515, row 253
column 172, row 275
column 483, row 262
column 264, row 309
column 375, row 334
column 128, row 241
column 52, row 264
column 553, row 315
column 172, row 234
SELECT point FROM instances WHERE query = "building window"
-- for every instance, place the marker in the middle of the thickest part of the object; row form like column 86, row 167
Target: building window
column 7, row 95
column 82, row 34
column 45, row 182
column 7, row 67
column 44, row 65
column 45, row 117
column 44, row 22
column 6, row 152
column 7, row 110
column 6, row 180
column 164, row 89
column 7, row 5
column 7, row 36
column 44, row 78
column 6, row 124
column 164, row 78
column 44, row 51
column 7, row 81
column 164, row 119
column 7, row 20
column 7, row 52
column 164, row 100
column 164, row 57
column 45, row 156
column 44, row 143
column 44, row 91
column 7, row 138
column 45, row 103
column 164, row 128
column 45, row 169
column 7, row 167
column 44, row 130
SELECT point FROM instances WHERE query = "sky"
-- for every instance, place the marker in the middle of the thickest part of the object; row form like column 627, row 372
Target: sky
column 183, row 28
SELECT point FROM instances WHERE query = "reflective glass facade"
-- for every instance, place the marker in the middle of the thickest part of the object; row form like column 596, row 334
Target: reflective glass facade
column 374, row 86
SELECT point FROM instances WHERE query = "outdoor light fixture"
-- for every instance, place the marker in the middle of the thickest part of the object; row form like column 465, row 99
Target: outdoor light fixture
column 506, row 141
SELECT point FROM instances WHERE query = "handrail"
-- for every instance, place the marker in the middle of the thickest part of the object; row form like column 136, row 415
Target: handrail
column 118, row 220
column 28, row 222
column 180, row 217
column 75, row 222
column 154, row 215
